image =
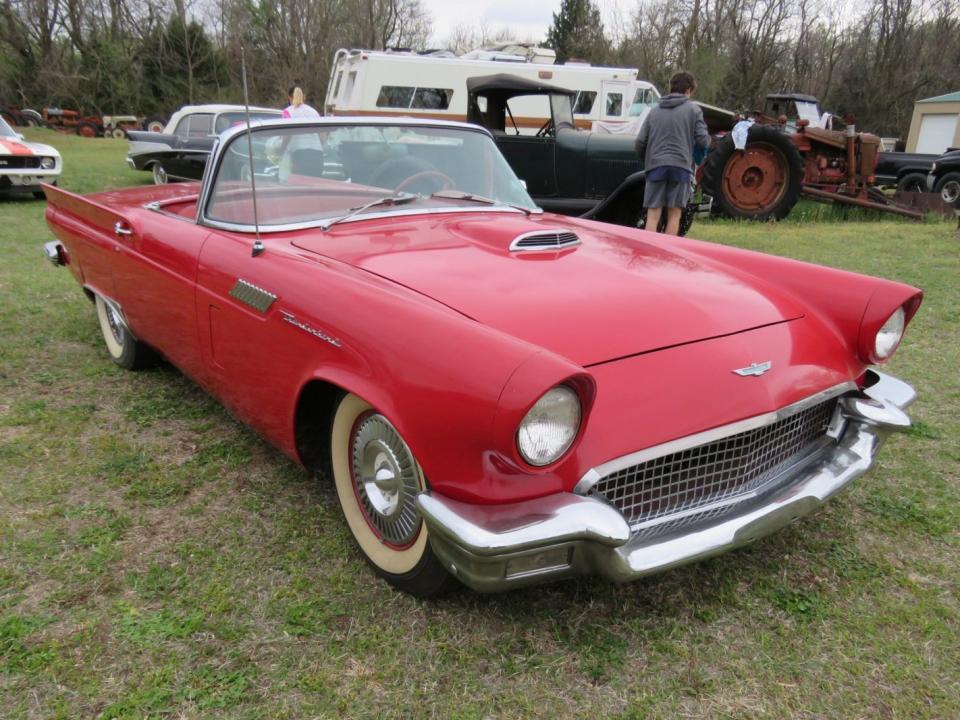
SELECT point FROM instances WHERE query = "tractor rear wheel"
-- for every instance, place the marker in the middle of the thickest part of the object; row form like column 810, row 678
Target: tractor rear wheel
column 87, row 129
column 760, row 182
column 155, row 124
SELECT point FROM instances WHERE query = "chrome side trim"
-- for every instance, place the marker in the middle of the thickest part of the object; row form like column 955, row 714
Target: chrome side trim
column 593, row 476
column 250, row 294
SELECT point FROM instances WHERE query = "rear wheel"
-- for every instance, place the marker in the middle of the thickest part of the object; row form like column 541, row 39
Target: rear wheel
column 125, row 350
column 87, row 129
column 912, row 182
column 155, row 124
column 760, row 182
column 118, row 133
column 377, row 481
column 948, row 188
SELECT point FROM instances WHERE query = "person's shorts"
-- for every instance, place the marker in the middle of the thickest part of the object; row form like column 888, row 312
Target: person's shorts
column 666, row 193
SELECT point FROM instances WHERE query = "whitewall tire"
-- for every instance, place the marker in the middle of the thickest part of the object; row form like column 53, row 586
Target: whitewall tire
column 124, row 349
column 377, row 480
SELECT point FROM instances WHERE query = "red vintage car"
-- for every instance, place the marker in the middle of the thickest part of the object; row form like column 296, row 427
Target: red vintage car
column 500, row 395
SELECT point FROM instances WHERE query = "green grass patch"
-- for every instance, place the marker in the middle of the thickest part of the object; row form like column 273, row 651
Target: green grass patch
column 159, row 560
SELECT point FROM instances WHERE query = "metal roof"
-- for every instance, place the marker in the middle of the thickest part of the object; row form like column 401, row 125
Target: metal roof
column 949, row 97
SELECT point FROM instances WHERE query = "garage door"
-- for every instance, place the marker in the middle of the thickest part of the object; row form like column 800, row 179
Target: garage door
column 936, row 133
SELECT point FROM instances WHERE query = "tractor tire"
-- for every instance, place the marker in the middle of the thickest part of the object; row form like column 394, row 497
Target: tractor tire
column 912, row 182
column 31, row 118
column 87, row 129
column 761, row 182
column 948, row 188
column 155, row 124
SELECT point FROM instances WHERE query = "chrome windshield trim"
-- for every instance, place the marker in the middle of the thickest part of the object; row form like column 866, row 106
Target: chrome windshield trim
column 222, row 142
column 318, row 224
column 594, row 475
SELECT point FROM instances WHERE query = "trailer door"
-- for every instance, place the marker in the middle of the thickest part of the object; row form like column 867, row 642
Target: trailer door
column 615, row 101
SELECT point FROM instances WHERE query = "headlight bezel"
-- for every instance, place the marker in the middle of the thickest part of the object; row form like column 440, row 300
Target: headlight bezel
column 522, row 445
column 48, row 163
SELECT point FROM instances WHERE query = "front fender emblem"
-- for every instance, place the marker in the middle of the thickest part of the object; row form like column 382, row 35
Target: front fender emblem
column 754, row 369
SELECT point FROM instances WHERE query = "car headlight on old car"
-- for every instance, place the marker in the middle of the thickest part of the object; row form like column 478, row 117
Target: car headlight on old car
column 550, row 427
column 889, row 334
column 47, row 163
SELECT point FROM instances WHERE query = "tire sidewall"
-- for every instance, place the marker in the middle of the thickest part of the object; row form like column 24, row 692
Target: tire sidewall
column 123, row 353
column 950, row 177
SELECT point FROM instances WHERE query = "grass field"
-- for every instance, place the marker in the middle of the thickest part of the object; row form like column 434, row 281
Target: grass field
column 159, row 560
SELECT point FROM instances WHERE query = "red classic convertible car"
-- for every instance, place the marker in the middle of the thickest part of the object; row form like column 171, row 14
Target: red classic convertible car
column 500, row 395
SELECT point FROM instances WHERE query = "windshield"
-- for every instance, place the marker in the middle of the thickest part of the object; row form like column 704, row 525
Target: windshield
column 643, row 99
column 808, row 111
column 309, row 174
column 6, row 131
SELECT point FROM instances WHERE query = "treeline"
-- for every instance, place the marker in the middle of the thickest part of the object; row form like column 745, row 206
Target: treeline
column 867, row 59
column 149, row 57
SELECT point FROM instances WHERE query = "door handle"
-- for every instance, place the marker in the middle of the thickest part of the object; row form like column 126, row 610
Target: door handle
column 121, row 230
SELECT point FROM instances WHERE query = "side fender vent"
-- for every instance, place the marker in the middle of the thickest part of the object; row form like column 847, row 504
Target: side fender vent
column 544, row 240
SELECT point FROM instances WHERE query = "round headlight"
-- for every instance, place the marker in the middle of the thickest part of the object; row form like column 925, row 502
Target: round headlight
column 47, row 163
column 888, row 337
column 548, row 430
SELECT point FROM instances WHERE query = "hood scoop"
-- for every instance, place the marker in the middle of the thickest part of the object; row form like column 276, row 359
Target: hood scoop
column 539, row 240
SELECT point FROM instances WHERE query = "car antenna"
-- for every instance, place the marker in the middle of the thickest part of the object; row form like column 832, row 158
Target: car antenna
column 258, row 247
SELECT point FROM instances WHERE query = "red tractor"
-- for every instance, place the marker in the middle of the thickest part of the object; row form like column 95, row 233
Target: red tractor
column 793, row 149
column 90, row 125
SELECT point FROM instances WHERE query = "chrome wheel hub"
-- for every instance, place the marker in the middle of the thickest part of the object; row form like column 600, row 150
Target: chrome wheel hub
column 115, row 323
column 386, row 479
column 951, row 192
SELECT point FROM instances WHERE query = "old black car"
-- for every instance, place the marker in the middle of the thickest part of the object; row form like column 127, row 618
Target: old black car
column 566, row 170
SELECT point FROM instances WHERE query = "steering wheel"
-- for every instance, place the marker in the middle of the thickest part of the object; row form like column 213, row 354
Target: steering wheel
column 446, row 182
column 546, row 129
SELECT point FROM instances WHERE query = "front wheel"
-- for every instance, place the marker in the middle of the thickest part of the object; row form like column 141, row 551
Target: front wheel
column 125, row 350
column 377, row 481
column 159, row 174
column 948, row 187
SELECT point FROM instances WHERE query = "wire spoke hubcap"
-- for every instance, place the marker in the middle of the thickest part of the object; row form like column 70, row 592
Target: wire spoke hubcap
column 386, row 480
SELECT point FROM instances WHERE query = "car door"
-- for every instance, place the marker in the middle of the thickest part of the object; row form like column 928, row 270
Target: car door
column 155, row 276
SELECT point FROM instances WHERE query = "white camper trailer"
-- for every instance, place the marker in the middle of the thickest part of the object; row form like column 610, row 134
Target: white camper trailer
column 369, row 82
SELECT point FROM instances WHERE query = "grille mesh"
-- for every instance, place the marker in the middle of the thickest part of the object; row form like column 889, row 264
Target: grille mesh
column 711, row 479
column 19, row 162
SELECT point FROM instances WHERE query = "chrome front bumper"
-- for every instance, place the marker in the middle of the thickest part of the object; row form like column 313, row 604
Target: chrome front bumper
column 498, row 547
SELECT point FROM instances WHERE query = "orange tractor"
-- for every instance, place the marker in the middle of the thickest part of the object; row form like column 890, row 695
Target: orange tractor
column 791, row 149
column 90, row 125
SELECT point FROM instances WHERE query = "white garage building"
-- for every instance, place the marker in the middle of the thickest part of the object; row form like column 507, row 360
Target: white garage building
column 935, row 125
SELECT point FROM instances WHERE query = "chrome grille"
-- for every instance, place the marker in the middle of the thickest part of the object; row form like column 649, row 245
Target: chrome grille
column 711, row 479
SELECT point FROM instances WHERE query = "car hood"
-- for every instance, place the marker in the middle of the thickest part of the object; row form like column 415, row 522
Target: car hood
column 11, row 146
column 618, row 293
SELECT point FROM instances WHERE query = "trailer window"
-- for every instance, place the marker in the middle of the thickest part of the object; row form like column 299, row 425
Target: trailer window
column 415, row 98
column 584, row 102
column 395, row 96
column 614, row 104
column 336, row 85
column 431, row 99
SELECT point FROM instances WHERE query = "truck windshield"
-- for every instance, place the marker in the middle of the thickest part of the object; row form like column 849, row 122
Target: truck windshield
column 310, row 173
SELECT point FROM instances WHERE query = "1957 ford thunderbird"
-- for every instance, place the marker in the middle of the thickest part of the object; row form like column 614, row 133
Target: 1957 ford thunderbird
column 501, row 396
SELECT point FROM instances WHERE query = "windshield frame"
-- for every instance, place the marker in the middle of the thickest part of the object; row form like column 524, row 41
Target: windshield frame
column 238, row 132
column 8, row 132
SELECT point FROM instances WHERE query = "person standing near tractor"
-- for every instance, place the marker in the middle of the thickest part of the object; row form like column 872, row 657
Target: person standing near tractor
column 670, row 136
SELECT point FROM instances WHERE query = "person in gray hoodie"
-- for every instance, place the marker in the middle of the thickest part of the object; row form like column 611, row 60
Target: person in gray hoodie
column 668, row 138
